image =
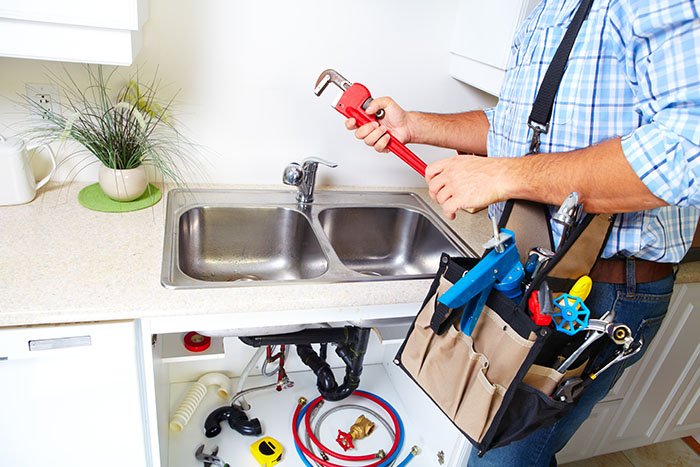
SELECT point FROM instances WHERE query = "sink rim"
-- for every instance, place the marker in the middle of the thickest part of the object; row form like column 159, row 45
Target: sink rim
column 182, row 200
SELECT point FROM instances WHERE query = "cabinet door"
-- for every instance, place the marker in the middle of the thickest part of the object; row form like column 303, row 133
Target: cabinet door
column 662, row 400
column 482, row 39
column 71, row 396
column 585, row 442
column 79, row 31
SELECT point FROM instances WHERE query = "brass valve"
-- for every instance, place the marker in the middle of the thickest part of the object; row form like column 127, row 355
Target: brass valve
column 362, row 427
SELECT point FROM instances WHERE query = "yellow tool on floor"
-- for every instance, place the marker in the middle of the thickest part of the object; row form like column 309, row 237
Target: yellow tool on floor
column 267, row 451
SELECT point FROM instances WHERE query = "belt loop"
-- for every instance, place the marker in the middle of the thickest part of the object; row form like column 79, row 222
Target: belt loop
column 631, row 275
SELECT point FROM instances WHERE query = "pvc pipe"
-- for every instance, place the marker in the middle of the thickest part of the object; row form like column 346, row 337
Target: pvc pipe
column 246, row 371
column 195, row 395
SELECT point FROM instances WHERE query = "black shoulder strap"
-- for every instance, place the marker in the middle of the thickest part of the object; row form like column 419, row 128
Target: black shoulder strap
column 544, row 101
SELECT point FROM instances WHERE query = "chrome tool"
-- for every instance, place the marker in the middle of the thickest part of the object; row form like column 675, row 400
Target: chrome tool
column 209, row 460
column 569, row 213
column 571, row 388
column 619, row 333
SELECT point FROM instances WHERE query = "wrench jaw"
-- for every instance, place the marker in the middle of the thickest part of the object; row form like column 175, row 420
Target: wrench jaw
column 330, row 76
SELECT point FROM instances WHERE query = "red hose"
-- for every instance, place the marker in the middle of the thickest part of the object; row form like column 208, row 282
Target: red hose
column 328, row 451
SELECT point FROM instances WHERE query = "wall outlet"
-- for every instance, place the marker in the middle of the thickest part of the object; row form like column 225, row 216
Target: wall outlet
column 45, row 95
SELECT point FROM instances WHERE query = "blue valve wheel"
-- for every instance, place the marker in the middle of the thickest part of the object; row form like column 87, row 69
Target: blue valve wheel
column 572, row 315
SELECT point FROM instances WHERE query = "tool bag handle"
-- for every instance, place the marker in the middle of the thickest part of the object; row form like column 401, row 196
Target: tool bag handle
column 544, row 101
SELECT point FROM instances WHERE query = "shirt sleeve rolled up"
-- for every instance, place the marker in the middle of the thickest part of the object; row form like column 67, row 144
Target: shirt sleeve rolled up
column 663, row 64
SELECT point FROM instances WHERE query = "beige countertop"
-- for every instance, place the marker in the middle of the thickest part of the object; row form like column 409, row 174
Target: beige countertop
column 63, row 263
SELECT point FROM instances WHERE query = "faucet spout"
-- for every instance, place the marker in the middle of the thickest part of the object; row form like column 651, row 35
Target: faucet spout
column 304, row 177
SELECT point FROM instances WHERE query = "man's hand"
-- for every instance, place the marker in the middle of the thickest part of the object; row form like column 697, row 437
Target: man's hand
column 600, row 174
column 395, row 121
column 465, row 182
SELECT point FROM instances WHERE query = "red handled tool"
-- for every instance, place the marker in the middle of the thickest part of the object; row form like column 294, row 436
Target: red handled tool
column 541, row 305
column 352, row 104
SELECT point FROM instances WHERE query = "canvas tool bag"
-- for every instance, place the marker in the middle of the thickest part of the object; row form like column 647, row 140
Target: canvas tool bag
column 489, row 383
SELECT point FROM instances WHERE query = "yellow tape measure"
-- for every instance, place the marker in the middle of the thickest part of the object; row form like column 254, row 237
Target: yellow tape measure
column 267, row 451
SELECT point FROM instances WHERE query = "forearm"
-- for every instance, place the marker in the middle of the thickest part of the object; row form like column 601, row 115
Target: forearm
column 465, row 132
column 600, row 174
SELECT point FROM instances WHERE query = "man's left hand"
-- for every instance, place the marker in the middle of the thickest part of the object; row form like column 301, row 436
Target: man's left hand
column 465, row 182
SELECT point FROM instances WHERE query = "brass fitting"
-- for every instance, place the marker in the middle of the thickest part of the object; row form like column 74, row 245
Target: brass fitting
column 362, row 427
column 415, row 451
column 302, row 401
column 380, row 454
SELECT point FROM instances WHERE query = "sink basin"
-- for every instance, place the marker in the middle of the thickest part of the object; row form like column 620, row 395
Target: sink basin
column 232, row 238
column 385, row 241
column 226, row 244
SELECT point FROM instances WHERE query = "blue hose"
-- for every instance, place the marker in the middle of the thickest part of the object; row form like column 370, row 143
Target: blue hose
column 386, row 461
column 405, row 462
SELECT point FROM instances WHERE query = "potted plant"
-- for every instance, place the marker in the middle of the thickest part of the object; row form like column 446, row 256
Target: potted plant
column 125, row 130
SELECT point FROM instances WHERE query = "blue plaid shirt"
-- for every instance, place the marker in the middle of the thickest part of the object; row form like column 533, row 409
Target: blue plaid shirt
column 634, row 72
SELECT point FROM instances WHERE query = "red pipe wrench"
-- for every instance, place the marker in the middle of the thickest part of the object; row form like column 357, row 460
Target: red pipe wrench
column 352, row 104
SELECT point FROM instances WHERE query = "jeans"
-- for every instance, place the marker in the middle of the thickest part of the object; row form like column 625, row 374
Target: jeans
column 642, row 307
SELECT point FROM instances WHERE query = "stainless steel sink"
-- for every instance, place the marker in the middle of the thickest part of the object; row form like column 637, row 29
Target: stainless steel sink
column 233, row 238
column 228, row 244
column 384, row 241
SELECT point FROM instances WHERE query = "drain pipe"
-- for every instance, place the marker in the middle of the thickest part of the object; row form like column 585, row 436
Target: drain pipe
column 351, row 348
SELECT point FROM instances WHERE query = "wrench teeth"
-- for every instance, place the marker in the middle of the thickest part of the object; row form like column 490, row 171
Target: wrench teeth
column 330, row 76
column 321, row 84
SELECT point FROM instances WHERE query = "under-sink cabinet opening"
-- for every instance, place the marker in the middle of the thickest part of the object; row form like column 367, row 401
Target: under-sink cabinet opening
column 208, row 381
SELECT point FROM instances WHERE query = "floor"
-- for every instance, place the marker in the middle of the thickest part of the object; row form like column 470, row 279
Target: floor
column 677, row 453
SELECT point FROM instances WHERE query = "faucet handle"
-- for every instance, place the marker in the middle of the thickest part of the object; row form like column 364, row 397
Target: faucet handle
column 317, row 160
column 293, row 174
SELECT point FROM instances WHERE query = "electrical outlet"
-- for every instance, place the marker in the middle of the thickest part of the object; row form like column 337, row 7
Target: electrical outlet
column 46, row 95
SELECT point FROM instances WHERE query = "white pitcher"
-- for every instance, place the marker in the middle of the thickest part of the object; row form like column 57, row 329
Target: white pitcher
column 17, row 182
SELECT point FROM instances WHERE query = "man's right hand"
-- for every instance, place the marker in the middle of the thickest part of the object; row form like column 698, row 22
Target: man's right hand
column 395, row 121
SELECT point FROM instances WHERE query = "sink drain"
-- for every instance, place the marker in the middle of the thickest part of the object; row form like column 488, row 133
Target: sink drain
column 244, row 278
column 370, row 273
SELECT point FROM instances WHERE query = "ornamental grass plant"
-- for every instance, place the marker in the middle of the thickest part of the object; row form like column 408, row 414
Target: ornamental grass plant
column 122, row 128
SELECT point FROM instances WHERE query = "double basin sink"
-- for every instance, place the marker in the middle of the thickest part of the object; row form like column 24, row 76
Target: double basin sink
column 233, row 238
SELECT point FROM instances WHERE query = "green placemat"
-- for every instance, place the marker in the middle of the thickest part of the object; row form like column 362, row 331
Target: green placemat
column 92, row 197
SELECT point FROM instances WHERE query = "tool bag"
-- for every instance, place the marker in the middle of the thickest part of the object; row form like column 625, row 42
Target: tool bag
column 489, row 383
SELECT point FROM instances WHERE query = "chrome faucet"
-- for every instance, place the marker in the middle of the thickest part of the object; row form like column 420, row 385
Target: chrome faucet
column 304, row 177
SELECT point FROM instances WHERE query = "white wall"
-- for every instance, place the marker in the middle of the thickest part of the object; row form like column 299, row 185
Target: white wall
column 246, row 70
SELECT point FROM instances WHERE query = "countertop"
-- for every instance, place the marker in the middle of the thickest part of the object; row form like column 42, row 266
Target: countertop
column 63, row 263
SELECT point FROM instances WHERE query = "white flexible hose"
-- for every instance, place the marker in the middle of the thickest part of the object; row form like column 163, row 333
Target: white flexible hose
column 246, row 371
column 195, row 395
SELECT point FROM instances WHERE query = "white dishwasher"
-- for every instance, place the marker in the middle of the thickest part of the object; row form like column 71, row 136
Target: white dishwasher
column 71, row 395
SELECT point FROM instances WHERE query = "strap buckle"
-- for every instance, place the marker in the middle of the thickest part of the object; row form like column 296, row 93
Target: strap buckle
column 537, row 130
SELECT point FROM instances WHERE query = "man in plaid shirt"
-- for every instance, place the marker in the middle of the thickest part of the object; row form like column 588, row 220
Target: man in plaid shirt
column 624, row 134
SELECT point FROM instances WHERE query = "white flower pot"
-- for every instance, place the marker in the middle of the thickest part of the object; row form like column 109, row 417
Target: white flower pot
column 122, row 185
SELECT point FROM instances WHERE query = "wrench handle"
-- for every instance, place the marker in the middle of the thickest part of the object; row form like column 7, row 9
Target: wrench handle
column 351, row 105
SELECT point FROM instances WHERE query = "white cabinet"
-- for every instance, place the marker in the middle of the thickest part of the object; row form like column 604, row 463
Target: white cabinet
column 71, row 396
column 481, row 41
column 72, row 30
column 662, row 401
column 656, row 399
